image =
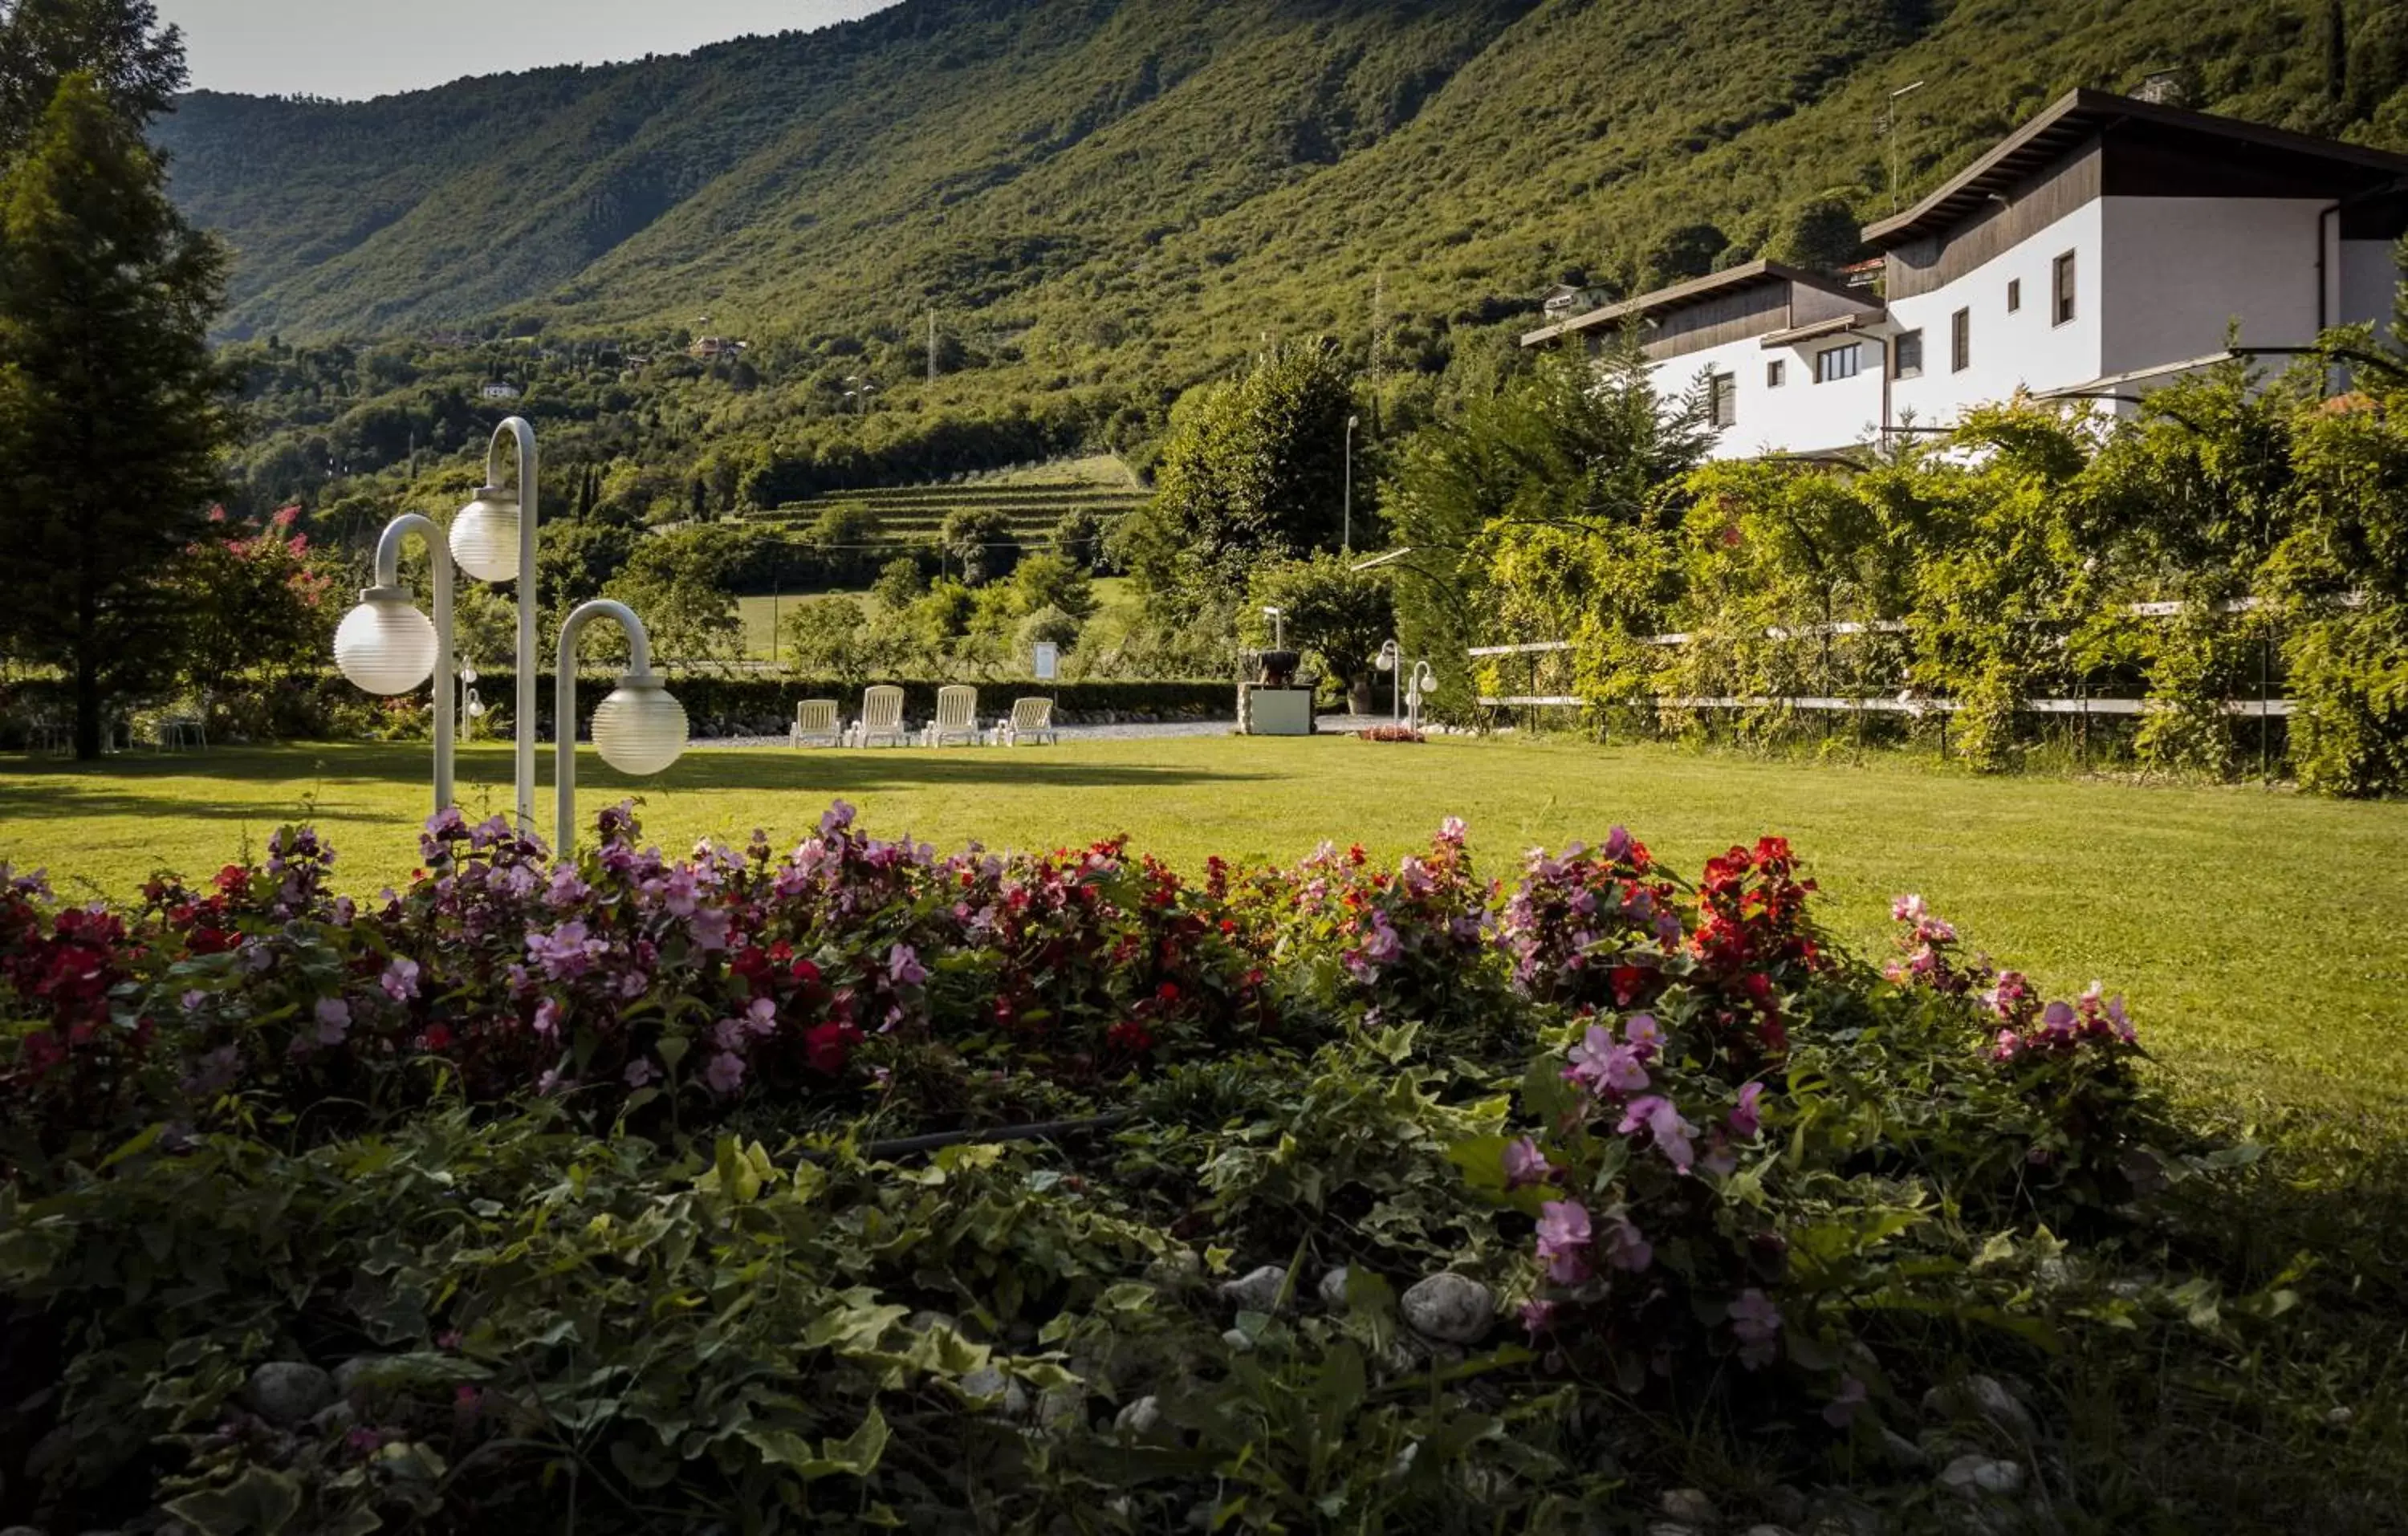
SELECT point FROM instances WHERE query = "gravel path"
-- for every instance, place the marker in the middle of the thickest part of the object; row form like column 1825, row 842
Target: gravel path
column 1336, row 724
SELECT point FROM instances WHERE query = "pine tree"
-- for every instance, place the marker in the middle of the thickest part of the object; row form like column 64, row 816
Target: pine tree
column 137, row 65
column 112, row 412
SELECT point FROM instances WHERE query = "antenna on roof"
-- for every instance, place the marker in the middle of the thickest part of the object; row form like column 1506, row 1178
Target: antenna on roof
column 1890, row 135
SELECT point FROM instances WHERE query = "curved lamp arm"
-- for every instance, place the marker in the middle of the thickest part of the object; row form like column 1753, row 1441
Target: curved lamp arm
column 388, row 577
column 530, row 655
column 564, row 703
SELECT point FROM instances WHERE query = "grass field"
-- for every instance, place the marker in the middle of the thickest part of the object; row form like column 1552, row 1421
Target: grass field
column 2259, row 936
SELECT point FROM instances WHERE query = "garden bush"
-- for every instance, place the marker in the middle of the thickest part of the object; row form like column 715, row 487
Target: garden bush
column 861, row 1185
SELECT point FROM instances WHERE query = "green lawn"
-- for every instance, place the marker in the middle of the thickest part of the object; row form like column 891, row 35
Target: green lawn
column 2259, row 936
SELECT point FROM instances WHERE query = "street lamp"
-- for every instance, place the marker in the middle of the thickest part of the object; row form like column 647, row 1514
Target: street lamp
column 387, row 646
column 1391, row 660
column 1275, row 615
column 1347, row 537
column 494, row 539
column 639, row 729
column 1425, row 684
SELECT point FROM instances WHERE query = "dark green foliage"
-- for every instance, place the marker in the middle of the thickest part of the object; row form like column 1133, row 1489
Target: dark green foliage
column 979, row 545
column 1819, row 234
column 112, row 413
column 136, row 65
column 1255, row 470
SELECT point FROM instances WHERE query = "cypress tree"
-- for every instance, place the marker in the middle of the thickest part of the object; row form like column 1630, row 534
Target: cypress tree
column 112, row 412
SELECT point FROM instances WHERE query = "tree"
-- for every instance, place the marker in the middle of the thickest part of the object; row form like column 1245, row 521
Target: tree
column 678, row 585
column 253, row 601
column 824, row 639
column 112, row 413
column 1253, row 470
column 1341, row 614
column 134, row 65
column 1079, row 538
column 1820, row 235
column 1047, row 581
column 981, row 539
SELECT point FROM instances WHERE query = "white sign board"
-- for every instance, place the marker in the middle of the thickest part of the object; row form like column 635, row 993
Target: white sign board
column 1049, row 661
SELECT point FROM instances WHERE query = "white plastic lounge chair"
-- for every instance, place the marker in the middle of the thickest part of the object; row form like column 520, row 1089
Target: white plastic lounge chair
column 882, row 718
column 956, row 717
column 1032, row 720
column 816, row 725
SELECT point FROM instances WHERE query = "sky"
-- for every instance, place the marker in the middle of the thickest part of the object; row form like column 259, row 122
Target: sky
column 357, row 49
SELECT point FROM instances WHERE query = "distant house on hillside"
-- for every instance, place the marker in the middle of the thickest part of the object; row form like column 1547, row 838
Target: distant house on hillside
column 716, row 346
column 2103, row 248
column 499, row 391
column 1565, row 300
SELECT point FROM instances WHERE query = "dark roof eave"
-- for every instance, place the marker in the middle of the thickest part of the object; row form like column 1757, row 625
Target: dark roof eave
column 1695, row 289
column 2073, row 117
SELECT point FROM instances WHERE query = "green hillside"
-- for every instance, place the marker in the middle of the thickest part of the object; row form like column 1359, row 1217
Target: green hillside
column 1128, row 193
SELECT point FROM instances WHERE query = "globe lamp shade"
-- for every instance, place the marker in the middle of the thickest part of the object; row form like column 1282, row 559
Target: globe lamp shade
column 386, row 645
column 485, row 539
column 639, row 729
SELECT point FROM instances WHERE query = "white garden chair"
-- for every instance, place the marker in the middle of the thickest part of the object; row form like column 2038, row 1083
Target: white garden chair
column 956, row 717
column 882, row 718
column 816, row 725
column 1032, row 720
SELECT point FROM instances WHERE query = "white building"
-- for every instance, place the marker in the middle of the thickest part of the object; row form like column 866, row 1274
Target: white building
column 500, row 391
column 2106, row 247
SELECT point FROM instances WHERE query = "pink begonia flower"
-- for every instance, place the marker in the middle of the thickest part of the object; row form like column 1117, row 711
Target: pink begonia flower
column 1907, row 909
column 1382, row 946
column 1538, row 1318
column 549, row 1081
column 1564, row 1232
column 334, row 1017
column 1453, row 830
column 839, row 816
column 1624, row 1247
column 1599, row 1065
column 547, row 1017
column 1525, row 1164
column 903, row 967
column 1757, row 1321
column 194, row 1000
column 1617, row 845
column 761, row 1018
column 1745, row 1119
column 2058, row 1020
column 400, row 980
column 641, row 1071
column 726, row 1073
column 1939, row 930
column 710, row 928
column 1841, row 1411
column 2006, row 1047
column 1644, row 1034
column 1662, row 1120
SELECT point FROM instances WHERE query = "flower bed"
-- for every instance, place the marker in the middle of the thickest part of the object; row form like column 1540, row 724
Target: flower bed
column 1370, row 1191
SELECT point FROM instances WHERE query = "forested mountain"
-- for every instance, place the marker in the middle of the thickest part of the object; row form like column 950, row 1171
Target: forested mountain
column 1128, row 193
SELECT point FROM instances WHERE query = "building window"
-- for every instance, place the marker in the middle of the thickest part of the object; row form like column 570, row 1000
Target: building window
column 1777, row 373
column 2064, row 290
column 1722, row 398
column 1906, row 355
column 1833, row 363
column 2014, row 294
column 1960, row 341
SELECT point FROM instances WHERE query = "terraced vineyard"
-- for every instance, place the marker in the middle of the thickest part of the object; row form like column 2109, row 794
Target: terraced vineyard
column 914, row 515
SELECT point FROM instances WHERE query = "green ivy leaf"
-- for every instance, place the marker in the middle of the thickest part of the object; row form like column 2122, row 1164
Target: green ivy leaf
column 260, row 1501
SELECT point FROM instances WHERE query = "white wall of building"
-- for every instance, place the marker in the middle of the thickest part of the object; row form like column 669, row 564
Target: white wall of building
column 1800, row 416
column 2024, row 348
column 2369, row 282
column 2181, row 271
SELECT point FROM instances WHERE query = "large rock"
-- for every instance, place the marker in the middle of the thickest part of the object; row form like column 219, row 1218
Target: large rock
column 1996, row 1404
column 1451, row 1308
column 1974, row 1474
column 1140, row 1418
column 288, row 1392
column 1333, row 1287
column 1689, row 1506
column 1256, row 1292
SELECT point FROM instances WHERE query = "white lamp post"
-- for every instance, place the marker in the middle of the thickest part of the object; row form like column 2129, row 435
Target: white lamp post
column 1391, row 660
column 387, row 646
column 1347, row 535
column 1424, row 683
column 493, row 539
column 639, row 729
